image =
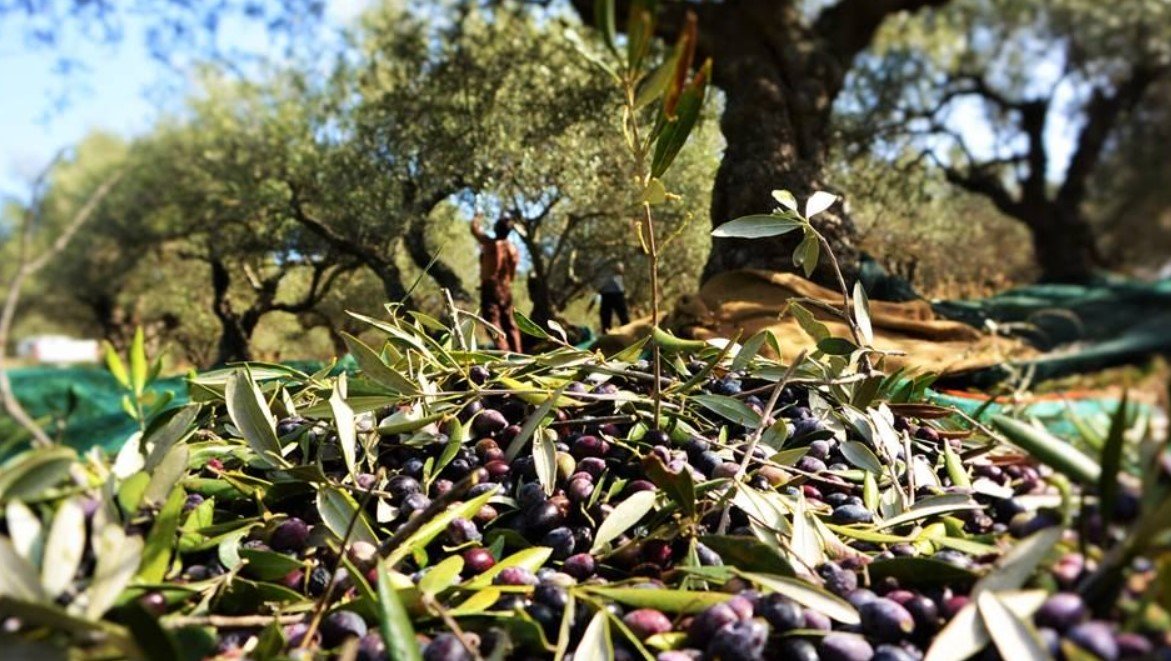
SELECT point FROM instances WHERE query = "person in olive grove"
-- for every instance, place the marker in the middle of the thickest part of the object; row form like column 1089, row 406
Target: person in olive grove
column 498, row 260
column 612, row 293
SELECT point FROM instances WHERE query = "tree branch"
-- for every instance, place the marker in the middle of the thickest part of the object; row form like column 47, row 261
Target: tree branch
column 1034, row 115
column 982, row 182
column 24, row 270
column 1102, row 113
column 848, row 27
column 318, row 288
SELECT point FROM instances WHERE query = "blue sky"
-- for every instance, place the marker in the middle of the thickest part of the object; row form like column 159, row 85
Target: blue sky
column 122, row 90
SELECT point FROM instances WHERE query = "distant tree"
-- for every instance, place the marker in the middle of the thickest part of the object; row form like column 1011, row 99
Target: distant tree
column 226, row 170
column 992, row 91
column 781, row 65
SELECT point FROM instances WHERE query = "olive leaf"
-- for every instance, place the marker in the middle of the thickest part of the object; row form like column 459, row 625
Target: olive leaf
column 338, row 509
column 807, row 595
column 25, row 531
column 1015, row 566
column 624, row 517
column 729, row 408
column 250, row 414
column 531, row 424
column 1050, row 450
column 118, row 559
column 862, row 313
column 393, row 620
column 749, row 349
column 965, row 635
column 668, row 601
column 347, row 432
column 1112, row 461
column 678, row 485
column 861, row 456
column 32, row 473
column 545, row 460
column 758, row 226
column 1014, row 637
column 528, row 326
column 819, row 202
column 532, row 558
column 18, row 577
column 375, row 369
column 441, row 576
column 156, row 557
column 64, row 548
column 596, row 644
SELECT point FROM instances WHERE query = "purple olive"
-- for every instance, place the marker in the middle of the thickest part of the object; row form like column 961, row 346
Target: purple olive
column 1061, row 611
column 817, row 621
column 811, row 464
column 886, row 620
column 634, row 486
column 294, row 580
column 925, row 612
column 590, row 446
column 552, row 595
column 928, row 434
column 478, row 560
column 837, row 580
column 479, row 374
column 580, row 566
column 372, row 648
column 781, row 612
column 580, row 490
column 680, row 655
column 561, row 541
column 860, row 597
column 646, row 622
column 595, row 466
column 844, row 647
column 446, row 647
column 544, row 517
column 851, row 513
column 154, row 603
column 489, row 422
column 340, row 625
column 515, row 576
column 1095, row 637
column 1131, row 645
column 797, row 649
column 709, row 621
column 461, row 531
column 742, row 641
column 413, row 504
column 401, row 486
column 892, row 653
column 295, row 633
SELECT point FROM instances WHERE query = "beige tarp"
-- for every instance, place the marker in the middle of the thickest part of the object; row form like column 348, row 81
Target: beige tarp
column 747, row 301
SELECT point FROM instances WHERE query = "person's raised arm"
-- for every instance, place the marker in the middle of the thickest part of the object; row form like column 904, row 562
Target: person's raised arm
column 477, row 231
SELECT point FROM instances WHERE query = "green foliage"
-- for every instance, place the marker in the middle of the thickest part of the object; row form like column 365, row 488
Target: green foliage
column 249, row 223
column 262, row 480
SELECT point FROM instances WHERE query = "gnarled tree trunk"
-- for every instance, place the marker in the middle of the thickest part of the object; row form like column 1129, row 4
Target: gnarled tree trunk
column 776, row 123
column 1064, row 245
column 780, row 73
column 233, row 344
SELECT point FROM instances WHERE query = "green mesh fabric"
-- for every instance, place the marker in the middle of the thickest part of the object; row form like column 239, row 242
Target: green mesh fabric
column 82, row 406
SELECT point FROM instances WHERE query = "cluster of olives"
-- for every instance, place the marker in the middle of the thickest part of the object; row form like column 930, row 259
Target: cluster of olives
column 600, row 460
